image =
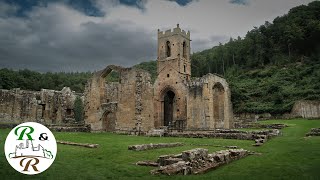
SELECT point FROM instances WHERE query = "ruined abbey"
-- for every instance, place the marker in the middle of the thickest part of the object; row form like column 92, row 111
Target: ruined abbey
column 45, row 106
column 174, row 100
column 135, row 104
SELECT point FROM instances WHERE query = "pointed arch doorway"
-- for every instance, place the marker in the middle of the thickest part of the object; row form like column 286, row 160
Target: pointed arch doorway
column 168, row 107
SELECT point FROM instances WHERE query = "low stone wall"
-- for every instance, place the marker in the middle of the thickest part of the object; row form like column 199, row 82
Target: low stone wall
column 301, row 109
column 260, row 137
column 314, row 132
column 226, row 134
column 78, row 144
column 194, row 161
column 258, row 125
column 142, row 147
column 56, row 127
column 70, row 128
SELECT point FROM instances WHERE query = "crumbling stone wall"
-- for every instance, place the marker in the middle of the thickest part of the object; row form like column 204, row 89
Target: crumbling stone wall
column 45, row 106
column 209, row 103
column 174, row 101
column 125, row 105
column 194, row 161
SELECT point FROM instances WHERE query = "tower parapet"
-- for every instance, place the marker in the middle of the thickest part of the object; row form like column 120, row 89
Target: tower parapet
column 176, row 31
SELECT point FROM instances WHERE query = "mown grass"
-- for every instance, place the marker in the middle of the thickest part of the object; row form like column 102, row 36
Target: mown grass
column 290, row 156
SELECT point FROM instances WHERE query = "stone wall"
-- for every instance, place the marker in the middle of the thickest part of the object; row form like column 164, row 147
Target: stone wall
column 126, row 105
column 301, row 109
column 194, row 161
column 45, row 106
column 306, row 109
column 209, row 103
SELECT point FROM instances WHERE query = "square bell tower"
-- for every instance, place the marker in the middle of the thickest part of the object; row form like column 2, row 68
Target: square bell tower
column 174, row 52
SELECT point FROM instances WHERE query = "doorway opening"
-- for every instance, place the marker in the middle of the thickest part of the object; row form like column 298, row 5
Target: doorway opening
column 168, row 108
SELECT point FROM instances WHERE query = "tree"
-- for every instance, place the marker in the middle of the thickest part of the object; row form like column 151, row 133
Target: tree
column 78, row 109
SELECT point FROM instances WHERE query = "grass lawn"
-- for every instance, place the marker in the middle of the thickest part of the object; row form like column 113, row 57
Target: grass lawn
column 290, row 156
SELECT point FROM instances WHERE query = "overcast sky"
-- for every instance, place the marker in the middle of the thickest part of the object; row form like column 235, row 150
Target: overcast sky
column 87, row 35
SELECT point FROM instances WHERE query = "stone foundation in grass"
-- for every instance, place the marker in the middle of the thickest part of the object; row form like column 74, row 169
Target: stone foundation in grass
column 314, row 132
column 78, row 144
column 142, row 147
column 194, row 161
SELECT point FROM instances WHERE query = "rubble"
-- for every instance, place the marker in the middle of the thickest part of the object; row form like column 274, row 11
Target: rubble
column 142, row 147
column 258, row 136
column 195, row 161
column 314, row 132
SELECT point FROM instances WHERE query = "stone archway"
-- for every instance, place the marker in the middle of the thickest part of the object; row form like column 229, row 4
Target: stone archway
column 168, row 107
column 108, row 121
column 218, row 105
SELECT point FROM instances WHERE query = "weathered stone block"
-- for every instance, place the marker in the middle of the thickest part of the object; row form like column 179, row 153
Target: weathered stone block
column 195, row 154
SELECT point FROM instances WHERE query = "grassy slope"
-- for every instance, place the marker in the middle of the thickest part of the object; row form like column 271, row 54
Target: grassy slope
column 291, row 156
column 274, row 89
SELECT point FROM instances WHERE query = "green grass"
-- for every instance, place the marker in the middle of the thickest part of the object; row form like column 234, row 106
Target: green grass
column 290, row 156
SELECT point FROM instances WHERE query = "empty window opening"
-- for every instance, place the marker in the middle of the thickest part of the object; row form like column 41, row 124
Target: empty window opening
column 69, row 112
column 113, row 76
column 168, row 49
column 184, row 49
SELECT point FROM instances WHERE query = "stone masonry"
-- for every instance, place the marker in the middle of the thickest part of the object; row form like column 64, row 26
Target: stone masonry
column 175, row 101
column 194, row 161
column 45, row 106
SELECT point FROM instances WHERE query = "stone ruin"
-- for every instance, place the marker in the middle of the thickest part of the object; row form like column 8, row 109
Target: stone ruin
column 194, row 161
column 314, row 132
column 259, row 137
column 143, row 147
column 262, row 126
column 135, row 105
column 50, row 107
column 45, row 106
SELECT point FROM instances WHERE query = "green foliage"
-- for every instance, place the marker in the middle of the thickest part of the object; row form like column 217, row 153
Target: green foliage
column 273, row 89
column 294, row 37
column 150, row 66
column 78, row 109
column 31, row 80
column 114, row 76
column 273, row 65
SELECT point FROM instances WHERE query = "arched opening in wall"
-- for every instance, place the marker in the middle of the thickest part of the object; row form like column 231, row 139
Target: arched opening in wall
column 184, row 49
column 218, row 105
column 113, row 76
column 168, row 49
column 168, row 108
column 108, row 121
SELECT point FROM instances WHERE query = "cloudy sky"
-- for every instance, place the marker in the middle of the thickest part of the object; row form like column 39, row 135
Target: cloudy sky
column 87, row 35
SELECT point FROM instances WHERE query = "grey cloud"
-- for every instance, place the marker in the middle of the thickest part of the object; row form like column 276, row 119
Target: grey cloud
column 241, row 2
column 201, row 44
column 41, row 43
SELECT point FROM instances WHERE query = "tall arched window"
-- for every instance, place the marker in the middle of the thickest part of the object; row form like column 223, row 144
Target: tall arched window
column 218, row 105
column 168, row 49
column 184, row 49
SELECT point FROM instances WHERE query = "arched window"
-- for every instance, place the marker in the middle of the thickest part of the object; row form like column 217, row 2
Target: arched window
column 218, row 105
column 184, row 49
column 168, row 49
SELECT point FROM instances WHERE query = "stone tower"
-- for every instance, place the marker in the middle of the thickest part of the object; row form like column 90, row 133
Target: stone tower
column 174, row 50
column 174, row 101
